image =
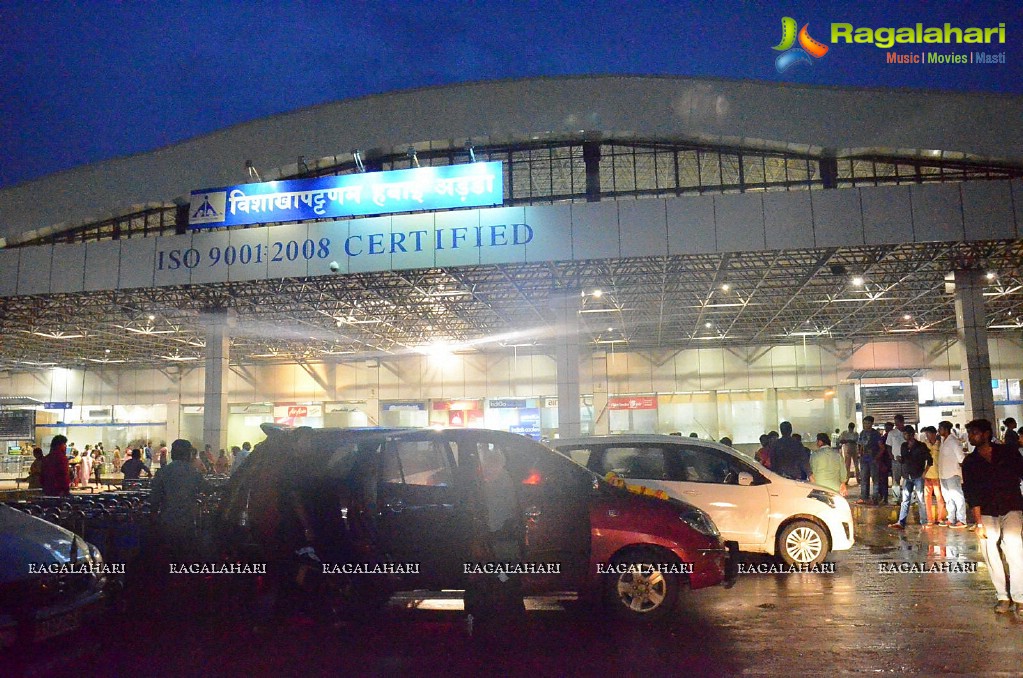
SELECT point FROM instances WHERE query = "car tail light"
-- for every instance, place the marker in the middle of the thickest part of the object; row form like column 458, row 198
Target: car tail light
column 533, row 478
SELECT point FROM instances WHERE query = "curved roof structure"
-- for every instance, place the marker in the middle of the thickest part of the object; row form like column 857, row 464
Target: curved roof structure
column 709, row 212
column 834, row 121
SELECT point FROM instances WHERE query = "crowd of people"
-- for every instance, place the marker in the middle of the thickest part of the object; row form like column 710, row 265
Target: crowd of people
column 960, row 478
column 66, row 468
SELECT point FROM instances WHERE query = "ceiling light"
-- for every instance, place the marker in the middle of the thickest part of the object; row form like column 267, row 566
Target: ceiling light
column 907, row 316
column 991, row 275
column 708, row 325
column 725, row 287
column 151, row 317
column 597, row 294
column 858, row 281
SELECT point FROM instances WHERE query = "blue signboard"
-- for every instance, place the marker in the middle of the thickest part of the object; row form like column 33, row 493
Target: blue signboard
column 507, row 403
column 57, row 405
column 478, row 184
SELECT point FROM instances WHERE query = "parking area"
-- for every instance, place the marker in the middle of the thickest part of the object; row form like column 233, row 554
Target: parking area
column 866, row 617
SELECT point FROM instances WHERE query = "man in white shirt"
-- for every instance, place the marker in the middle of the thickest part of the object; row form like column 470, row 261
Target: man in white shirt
column 950, row 457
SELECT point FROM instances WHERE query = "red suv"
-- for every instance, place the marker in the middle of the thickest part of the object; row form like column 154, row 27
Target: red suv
column 465, row 508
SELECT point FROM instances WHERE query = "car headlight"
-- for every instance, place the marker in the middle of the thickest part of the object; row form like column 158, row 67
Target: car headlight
column 699, row 521
column 824, row 496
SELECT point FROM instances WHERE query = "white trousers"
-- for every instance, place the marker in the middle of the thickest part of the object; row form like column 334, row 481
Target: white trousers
column 1004, row 536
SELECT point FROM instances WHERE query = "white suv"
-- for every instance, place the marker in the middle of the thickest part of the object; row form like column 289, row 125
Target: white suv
column 760, row 510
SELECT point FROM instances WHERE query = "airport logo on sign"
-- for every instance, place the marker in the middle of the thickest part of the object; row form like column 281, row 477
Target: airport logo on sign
column 808, row 50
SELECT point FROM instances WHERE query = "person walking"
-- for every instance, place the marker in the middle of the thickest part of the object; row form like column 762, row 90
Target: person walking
column 991, row 480
column 933, row 501
column 950, row 456
column 848, row 443
column 916, row 459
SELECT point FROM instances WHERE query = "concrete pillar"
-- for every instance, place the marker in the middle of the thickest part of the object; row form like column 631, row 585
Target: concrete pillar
column 971, row 328
column 565, row 304
column 218, row 354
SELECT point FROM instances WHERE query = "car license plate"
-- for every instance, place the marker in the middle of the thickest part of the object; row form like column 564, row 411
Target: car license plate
column 57, row 625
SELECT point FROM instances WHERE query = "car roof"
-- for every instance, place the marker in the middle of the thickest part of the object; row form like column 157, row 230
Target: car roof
column 627, row 438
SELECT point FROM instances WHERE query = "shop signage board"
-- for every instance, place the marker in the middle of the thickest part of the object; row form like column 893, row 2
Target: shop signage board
column 65, row 405
column 477, row 184
column 632, row 403
column 512, row 403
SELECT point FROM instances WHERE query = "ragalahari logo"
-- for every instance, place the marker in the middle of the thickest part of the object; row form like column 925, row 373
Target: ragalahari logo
column 791, row 56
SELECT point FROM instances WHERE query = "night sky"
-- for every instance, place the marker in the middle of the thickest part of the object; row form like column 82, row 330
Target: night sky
column 88, row 81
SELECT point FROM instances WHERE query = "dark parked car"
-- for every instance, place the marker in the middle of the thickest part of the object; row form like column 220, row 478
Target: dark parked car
column 458, row 503
column 50, row 580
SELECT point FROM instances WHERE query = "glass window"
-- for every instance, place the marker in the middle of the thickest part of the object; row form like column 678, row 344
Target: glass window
column 635, row 462
column 701, row 465
column 580, row 456
column 417, row 462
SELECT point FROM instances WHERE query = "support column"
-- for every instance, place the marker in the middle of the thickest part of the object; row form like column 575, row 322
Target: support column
column 218, row 354
column 565, row 304
column 971, row 329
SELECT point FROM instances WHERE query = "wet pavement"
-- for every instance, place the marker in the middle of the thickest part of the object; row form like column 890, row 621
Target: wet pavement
column 857, row 620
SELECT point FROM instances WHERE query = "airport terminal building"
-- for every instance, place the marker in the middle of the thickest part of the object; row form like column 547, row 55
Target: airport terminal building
column 547, row 256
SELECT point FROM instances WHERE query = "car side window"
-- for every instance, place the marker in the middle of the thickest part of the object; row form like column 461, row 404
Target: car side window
column 635, row 462
column 705, row 465
column 580, row 455
column 417, row 462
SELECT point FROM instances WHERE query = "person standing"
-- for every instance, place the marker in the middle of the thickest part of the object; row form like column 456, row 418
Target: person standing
column 763, row 455
column 133, row 468
column 55, row 475
column 916, row 459
column 174, row 498
column 893, row 442
column 991, row 479
column 85, row 467
column 98, row 459
column 933, row 500
column 788, row 456
column 950, row 456
column 848, row 442
column 828, row 467
column 35, row 471
column 870, row 448
column 241, row 456
column 1011, row 437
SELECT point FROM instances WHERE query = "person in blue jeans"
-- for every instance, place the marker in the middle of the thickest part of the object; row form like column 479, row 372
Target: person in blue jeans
column 870, row 448
column 916, row 459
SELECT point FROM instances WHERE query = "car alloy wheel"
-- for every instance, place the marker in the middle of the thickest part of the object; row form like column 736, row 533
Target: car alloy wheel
column 803, row 543
column 645, row 593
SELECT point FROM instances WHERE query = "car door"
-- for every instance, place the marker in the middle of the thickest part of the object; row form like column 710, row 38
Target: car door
column 709, row 478
column 553, row 495
column 420, row 509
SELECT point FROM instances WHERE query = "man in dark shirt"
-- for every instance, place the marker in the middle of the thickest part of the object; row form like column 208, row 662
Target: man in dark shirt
column 991, row 481
column 916, row 459
column 55, row 477
column 1011, row 437
column 870, row 448
column 788, row 456
column 134, row 466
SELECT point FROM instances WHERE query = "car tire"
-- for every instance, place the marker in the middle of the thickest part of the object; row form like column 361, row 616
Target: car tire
column 803, row 542
column 640, row 596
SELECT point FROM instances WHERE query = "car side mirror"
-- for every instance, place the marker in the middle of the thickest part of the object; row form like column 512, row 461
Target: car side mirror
column 745, row 479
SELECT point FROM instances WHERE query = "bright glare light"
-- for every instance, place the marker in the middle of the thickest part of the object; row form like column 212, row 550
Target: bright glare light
column 708, row 325
column 991, row 275
column 858, row 281
column 151, row 317
column 597, row 294
column 907, row 317
column 725, row 287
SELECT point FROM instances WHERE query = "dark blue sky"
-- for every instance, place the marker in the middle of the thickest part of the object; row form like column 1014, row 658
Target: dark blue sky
column 87, row 81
